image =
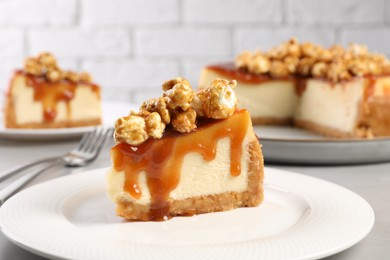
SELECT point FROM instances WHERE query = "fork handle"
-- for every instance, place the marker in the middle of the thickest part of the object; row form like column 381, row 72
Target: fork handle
column 7, row 174
column 16, row 185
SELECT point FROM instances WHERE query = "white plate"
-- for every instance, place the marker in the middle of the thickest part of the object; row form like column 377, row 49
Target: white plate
column 301, row 218
column 282, row 144
column 111, row 111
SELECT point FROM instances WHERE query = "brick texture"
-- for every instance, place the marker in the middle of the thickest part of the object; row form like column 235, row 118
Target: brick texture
column 132, row 46
column 11, row 44
column 37, row 12
column 80, row 43
column 183, row 42
column 129, row 12
column 131, row 74
column 232, row 12
column 335, row 11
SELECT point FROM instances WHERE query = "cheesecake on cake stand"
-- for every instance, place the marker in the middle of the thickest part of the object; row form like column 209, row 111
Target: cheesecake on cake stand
column 336, row 92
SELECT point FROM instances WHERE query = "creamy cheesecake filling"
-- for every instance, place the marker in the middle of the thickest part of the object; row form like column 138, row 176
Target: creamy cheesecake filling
column 332, row 105
column 81, row 104
column 178, row 165
column 195, row 179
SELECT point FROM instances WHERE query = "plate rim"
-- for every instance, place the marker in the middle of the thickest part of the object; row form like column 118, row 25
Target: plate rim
column 331, row 251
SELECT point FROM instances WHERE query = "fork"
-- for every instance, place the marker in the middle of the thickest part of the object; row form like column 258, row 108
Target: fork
column 87, row 150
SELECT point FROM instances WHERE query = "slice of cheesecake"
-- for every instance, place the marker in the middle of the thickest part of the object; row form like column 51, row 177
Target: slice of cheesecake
column 185, row 153
column 44, row 96
column 337, row 92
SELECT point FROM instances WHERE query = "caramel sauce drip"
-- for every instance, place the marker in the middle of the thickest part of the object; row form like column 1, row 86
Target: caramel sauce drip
column 50, row 93
column 369, row 88
column 162, row 159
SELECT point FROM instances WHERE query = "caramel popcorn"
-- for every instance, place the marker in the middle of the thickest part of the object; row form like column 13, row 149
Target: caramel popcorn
column 185, row 121
column 154, row 125
column 180, row 107
column 219, row 100
column 180, row 95
column 307, row 59
column 131, row 129
column 259, row 64
column 158, row 105
column 45, row 65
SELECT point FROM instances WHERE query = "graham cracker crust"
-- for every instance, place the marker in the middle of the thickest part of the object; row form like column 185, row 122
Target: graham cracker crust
column 323, row 130
column 251, row 197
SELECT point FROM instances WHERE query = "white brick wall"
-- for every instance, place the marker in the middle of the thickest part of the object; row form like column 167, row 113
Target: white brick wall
column 131, row 46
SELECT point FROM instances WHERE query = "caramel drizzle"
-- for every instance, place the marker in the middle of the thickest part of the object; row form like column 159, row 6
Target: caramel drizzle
column 162, row 159
column 50, row 93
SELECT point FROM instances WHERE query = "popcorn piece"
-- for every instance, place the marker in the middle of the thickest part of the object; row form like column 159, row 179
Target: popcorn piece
column 291, row 63
column 196, row 104
column 130, row 129
column 85, row 76
column 219, row 100
column 259, row 64
column 158, row 105
column 184, row 122
column 169, row 84
column 243, row 59
column 278, row 69
column 180, row 95
column 304, row 66
column 47, row 60
column 154, row 125
column 319, row 69
column 72, row 76
column 54, row 75
column 32, row 66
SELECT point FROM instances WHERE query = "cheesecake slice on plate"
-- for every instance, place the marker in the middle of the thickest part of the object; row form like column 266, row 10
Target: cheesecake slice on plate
column 185, row 153
column 42, row 95
column 336, row 92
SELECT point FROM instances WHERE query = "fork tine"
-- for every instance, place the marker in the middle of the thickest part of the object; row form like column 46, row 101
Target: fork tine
column 96, row 140
column 86, row 139
column 92, row 139
column 102, row 141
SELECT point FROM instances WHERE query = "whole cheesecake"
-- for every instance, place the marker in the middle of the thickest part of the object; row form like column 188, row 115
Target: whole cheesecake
column 44, row 96
column 337, row 92
column 185, row 153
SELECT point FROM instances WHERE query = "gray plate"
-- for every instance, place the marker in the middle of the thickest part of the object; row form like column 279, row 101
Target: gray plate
column 296, row 146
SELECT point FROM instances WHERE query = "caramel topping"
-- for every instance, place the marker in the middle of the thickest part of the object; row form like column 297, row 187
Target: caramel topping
column 162, row 159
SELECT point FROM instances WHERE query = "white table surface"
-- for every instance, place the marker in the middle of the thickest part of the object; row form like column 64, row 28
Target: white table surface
column 372, row 182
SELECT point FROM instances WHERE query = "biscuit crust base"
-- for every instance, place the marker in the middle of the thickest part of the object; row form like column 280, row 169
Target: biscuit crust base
column 251, row 197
